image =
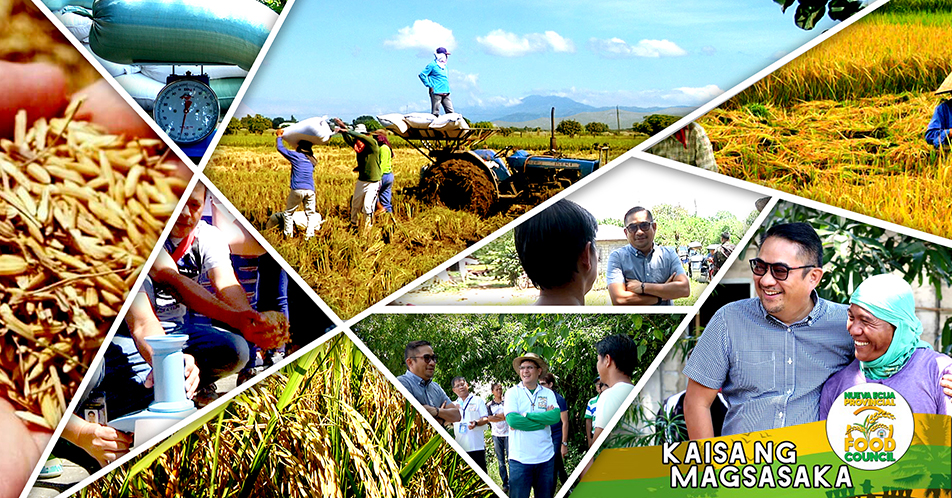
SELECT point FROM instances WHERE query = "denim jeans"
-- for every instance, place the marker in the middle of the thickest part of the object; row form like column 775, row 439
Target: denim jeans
column 539, row 478
column 501, row 445
column 386, row 192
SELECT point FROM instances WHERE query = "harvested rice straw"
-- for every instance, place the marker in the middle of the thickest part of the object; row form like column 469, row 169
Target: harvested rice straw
column 80, row 211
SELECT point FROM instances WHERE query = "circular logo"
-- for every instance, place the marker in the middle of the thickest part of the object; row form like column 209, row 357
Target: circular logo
column 870, row 426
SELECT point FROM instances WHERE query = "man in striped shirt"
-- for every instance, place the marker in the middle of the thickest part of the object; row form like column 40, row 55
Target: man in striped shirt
column 770, row 355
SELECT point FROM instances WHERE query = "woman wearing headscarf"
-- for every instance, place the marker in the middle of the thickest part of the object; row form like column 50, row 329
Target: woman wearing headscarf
column 882, row 320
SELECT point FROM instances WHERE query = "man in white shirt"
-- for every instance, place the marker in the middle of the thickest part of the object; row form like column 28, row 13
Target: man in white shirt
column 475, row 417
column 617, row 355
column 530, row 410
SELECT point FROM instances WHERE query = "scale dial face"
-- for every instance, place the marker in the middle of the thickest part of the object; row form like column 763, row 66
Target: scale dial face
column 187, row 110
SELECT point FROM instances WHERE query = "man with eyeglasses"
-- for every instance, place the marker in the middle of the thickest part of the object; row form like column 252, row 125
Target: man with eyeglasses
column 770, row 355
column 530, row 409
column 644, row 273
column 421, row 363
column 471, row 428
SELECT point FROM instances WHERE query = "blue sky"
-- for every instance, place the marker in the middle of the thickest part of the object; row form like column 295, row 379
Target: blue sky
column 347, row 59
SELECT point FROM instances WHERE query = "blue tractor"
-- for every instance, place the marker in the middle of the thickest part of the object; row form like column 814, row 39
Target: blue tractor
column 484, row 181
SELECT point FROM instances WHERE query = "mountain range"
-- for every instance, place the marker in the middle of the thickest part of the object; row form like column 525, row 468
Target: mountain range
column 534, row 111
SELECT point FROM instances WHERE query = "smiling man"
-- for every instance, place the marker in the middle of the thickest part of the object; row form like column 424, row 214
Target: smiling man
column 530, row 411
column 770, row 355
column 644, row 273
column 475, row 419
column 418, row 379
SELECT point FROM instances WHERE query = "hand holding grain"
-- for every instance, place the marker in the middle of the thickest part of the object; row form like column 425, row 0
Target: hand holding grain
column 40, row 90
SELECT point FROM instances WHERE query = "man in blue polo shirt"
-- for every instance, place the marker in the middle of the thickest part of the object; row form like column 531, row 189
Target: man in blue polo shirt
column 644, row 273
column 302, row 184
column 418, row 379
column 770, row 355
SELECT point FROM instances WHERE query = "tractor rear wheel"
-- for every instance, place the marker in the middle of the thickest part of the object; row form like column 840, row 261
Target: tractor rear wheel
column 459, row 184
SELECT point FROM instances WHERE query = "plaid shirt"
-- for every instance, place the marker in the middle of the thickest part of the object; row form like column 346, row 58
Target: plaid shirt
column 770, row 373
column 697, row 153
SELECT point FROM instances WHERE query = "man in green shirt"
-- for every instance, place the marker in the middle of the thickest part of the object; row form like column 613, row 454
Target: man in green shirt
column 368, row 174
column 530, row 409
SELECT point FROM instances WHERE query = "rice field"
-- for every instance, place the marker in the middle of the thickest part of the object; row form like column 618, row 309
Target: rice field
column 328, row 425
column 843, row 124
column 350, row 271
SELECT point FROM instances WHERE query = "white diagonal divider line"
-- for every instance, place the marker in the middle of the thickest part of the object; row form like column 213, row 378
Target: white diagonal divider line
column 620, row 413
column 628, row 155
column 226, row 398
column 419, row 408
column 291, row 271
column 111, row 80
column 259, row 60
column 734, row 256
column 120, row 316
column 733, row 91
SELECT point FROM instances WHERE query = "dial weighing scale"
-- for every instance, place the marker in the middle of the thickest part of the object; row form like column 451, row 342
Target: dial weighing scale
column 187, row 110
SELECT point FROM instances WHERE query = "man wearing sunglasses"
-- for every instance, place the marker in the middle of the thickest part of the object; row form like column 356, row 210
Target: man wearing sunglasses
column 644, row 273
column 770, row 355
column 421, row 363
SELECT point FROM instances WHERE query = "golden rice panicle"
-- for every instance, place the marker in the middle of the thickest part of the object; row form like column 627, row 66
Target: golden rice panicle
column 70, row 247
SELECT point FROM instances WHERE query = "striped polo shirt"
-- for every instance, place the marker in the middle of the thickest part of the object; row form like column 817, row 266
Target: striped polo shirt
column 770, row 373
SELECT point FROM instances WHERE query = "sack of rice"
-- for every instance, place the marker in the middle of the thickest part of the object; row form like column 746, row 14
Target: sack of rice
column 451, row 121
column 227, row 32
column 393, row 122
column 77, row 25
column 419, row 120
column 315, row 130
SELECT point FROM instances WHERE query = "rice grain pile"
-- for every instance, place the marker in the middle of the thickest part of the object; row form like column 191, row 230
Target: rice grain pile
column 80, row 211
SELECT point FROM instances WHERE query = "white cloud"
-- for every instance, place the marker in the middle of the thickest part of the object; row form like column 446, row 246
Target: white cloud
column 463, row 81
column 424, row 35
column 616, row 48
column 505, row 44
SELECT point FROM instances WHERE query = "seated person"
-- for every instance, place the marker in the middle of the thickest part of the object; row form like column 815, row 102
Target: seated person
column 195, row 248
column 557, row 250
column 642, row 272
column 125, row 380
column 882, row 320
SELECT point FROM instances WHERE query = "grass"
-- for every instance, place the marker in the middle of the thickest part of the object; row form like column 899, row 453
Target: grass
column 328, row 425
column 349, row 271
column 843, row 124
column 581, row 146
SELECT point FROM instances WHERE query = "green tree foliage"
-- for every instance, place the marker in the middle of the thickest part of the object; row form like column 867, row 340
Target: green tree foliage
column 611, row 221
column 276, row 122
column 810, row 12
column 856, row 250
column 654, row 123
column 275, row 5
column 483, row 124
column 369, row 121
column 233, row 126
column 502, row 258
column 256, row 124
column 568, row 127
column 481, row 347
column 595, row 127
column 677, row 226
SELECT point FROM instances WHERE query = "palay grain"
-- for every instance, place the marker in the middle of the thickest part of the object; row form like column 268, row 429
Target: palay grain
column 80, row 211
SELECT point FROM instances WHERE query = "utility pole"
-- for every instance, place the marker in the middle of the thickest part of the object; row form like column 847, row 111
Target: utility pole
column 617, row 120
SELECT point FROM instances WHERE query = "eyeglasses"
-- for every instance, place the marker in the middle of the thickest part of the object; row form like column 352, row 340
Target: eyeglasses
column 780, row 271
column 427, row 358
column 644, row 226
